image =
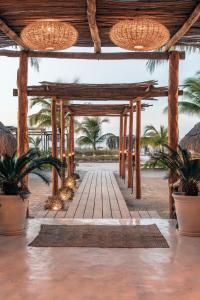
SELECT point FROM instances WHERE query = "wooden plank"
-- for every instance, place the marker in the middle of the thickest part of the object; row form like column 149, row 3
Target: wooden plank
column 11, row 34
column 106, row 201
column 154, row 214
column 144, row 214
column 91, row 16
column 135, row 214
column 84, row 198
column 115, row 211
column 42, row 214
column 62, row 140
column 73, row 206
column 89, row 209
column 193, row 18
column 93, row 56
column 61, row 214
column 124, row 148
column 121, row 201
column 98, row 206
column 51, row 214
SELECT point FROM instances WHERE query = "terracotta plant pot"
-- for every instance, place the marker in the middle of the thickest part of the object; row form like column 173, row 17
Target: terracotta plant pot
column 188, row 214
column 12, row 214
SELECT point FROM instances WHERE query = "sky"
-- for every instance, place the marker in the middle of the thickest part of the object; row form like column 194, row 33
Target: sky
column 88, row 71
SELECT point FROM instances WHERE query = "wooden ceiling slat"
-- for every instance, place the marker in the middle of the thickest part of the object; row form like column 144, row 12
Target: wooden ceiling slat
column 193, row 18
column 11, row 34
column 18, row 14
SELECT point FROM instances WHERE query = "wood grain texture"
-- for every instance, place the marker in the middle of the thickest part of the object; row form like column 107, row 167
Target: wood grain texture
column 91, row 15
column 137, row 151
column 11, row 34
column 173, row 128
column 193, row 18
column 130, row 147
column 54, row 146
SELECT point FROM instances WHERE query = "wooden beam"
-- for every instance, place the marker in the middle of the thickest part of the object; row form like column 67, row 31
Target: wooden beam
column 22, row 131
column 72, row 144
column 54, row 146
column 173, row 129
column 137, row 150
column 130, row 147
column 11, row 34
column 93, row 56
column 94, row 31
column 193, row 18
column 120, row 144
column 62, row 140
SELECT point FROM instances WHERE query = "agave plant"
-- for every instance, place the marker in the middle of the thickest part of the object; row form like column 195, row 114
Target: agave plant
column 14, row 169
column 182, row 166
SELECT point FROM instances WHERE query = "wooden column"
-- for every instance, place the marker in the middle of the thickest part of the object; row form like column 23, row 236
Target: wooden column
column 130, row 147
column 22, row 131
column 120, row 144
column 72, row 145
column 137, row 150
column 124, row 149
column 22, row 80
column 173, row 130
column 62, row 140
column 54, row 145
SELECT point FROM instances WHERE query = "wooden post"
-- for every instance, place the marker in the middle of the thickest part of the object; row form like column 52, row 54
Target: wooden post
column 124, row 149
column 62, row 140
column 54, row 145
column 72, row 145
column 130, row 147
column 137, row 150
column 120, row 144
column 22, row 131
column 173, row 130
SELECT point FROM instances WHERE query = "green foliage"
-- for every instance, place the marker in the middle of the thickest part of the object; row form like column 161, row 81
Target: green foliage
column 151, row 164
column 13, row 170
column 181, row 165
column 91, row 129
column 153, row 137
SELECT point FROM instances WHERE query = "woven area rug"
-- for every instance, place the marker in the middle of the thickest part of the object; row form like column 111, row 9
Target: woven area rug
column 100, row 236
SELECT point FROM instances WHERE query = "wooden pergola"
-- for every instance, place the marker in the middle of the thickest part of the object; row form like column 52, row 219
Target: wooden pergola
column 93, row 21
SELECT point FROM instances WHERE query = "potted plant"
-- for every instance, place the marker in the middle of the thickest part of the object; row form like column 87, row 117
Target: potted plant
column 186, row 189
column 13, row 198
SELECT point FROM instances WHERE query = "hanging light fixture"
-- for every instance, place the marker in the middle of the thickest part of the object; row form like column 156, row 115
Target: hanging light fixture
column 49, row 35
column 139, row 34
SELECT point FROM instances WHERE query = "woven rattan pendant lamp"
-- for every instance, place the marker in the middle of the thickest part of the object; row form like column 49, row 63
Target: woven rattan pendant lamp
column 139, row 34
column 49, row 35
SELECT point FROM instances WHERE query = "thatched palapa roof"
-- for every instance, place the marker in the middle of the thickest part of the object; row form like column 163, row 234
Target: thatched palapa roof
column 8, row 143
column 191, row 140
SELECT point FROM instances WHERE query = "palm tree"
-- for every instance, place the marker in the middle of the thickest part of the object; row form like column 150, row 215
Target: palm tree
column 192, row 94
column 43, row 117
column 155, row 138
column 91, row 129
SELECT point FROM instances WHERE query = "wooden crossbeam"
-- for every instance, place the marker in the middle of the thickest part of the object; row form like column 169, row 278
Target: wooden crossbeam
column 193, row 18
column 11, row 34
column 93, row 56
column 91, row 16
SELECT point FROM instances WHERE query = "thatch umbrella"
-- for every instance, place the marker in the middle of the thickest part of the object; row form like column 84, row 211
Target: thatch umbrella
column 191, row 140
column 8, row 143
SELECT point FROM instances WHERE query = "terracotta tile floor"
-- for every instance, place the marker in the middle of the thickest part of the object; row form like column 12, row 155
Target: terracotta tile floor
column 100, row 274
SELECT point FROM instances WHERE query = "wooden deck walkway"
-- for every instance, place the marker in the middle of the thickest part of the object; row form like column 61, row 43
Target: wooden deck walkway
column 97, row 197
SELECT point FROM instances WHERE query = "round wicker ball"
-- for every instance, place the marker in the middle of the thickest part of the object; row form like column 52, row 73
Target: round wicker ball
column 70, row 182
column 76, row 176
column 65, row 194
column 53, row 202
column 139, row 34
column 49, row 35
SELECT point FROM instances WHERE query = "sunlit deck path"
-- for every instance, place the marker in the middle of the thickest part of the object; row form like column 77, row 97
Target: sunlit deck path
column 97, row 197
